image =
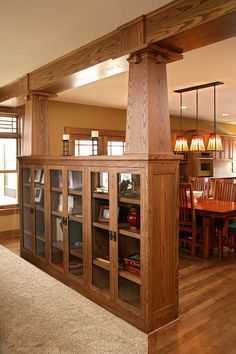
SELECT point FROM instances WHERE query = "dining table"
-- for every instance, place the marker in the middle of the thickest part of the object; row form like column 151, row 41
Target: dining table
column 209, row 209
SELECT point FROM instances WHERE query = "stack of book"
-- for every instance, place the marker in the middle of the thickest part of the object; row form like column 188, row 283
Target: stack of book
column 132, row 264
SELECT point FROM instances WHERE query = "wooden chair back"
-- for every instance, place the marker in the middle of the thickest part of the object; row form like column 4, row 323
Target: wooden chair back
column 201, row 184
column 187, row 219
column 223, row 189
column 234, row 191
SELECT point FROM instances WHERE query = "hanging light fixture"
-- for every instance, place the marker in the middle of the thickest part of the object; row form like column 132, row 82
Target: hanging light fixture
column 181, row 144
column 197, row 142
column 215, row 143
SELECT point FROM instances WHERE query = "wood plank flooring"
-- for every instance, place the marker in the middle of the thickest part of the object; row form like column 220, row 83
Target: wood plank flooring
column 207, row 306
column 207, row 303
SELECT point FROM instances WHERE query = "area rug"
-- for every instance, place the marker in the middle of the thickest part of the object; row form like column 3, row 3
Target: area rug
column 38, row 314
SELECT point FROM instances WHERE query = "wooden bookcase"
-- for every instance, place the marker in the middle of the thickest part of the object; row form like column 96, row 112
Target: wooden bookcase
column 78, row 231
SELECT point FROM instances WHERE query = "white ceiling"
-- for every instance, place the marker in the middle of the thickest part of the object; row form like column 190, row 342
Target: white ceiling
column 33, row 33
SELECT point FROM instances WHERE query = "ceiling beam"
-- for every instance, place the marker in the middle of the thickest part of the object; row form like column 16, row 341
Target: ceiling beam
column 180, row 26
column 11, row 110
column 14, row 89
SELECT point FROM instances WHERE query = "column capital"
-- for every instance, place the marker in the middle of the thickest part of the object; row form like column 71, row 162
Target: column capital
column 158, row 53
column 40, row 94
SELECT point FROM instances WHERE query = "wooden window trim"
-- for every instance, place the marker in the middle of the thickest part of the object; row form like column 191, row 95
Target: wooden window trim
column 85, row 134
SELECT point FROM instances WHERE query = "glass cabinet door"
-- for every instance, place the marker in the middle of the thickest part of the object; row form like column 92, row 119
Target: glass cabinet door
column 57, row 220
column 101, row 266
column 27, row 209
column 39, row 212
column 75, row 222
column 129, row 260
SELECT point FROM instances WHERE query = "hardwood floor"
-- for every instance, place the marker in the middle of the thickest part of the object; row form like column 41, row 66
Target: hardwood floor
column 11, row 240
column 207, row 302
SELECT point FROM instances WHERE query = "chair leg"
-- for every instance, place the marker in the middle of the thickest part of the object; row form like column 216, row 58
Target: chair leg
column 220, row 244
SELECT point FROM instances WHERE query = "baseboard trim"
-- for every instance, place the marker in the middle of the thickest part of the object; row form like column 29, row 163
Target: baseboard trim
column 10, row 233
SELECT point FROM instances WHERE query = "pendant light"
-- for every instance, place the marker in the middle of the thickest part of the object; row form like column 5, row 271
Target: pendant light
column 215, row 143
column 181, row 144
column 197, row 143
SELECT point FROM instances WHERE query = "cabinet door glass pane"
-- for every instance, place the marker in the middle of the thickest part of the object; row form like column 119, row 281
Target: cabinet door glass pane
column 56, row 199
column 39, row 211
column 129, row 259
column 75, row 217
column 100, row 230
column 27, row 210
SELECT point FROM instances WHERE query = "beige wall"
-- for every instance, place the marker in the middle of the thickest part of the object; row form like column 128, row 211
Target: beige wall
column 63, row 114
column 190, row 124
column 9, row 222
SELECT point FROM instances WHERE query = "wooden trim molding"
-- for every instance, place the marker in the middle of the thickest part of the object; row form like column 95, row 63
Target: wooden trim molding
column 87, row 131
column 10, row 233
column 9, row 211
column 173, row 26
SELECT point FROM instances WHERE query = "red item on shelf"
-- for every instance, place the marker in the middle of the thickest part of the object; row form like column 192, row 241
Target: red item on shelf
column 132, row 269
column 132, row 262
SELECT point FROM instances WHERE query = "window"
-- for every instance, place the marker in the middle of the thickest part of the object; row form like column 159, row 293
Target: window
column 110, row 142
column 85, row 147
column 8, row 161
column 115, row 148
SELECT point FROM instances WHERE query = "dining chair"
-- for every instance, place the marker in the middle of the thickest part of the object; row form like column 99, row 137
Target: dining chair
column 188, row 229
column 228, row 235
column 201, row 184
column 224, row 189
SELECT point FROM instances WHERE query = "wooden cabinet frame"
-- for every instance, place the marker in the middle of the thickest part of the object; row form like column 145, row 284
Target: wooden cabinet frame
column 158, row 281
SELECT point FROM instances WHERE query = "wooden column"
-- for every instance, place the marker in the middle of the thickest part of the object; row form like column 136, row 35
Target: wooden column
column 35, row 127
column 148, row 134
column 148, row 124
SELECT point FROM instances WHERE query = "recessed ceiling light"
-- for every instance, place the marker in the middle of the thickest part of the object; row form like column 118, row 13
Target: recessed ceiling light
column 183, row 107
column 225, row 114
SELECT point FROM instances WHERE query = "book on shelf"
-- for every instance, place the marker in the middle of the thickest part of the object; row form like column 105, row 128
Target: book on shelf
column 132, row 269
column 60, row 203
column 74, row 205
column 59, row 230
column 75, row 265
column 75, row 180
column 132, row 262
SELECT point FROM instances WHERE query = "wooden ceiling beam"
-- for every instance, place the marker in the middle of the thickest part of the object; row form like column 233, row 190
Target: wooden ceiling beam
column 14, row 89
column 180, row 26
column 11, row 110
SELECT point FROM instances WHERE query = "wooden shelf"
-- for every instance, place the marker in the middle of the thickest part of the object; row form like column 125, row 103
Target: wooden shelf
column 39, row 185
column 104, row 226
column 74, row 191
column 57, row 213
column 37, row 208
column 26, row 205
column 101, row 195
column 130, row 276
column 125, row 229
column 102, row 263
column 76, row 218
column 130, row 200
column 27, row 233
column 56, row 189
column 40, row 238
column 76, row 251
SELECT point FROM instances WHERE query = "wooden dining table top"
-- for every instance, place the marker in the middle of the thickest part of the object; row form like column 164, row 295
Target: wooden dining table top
column 215, row 207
